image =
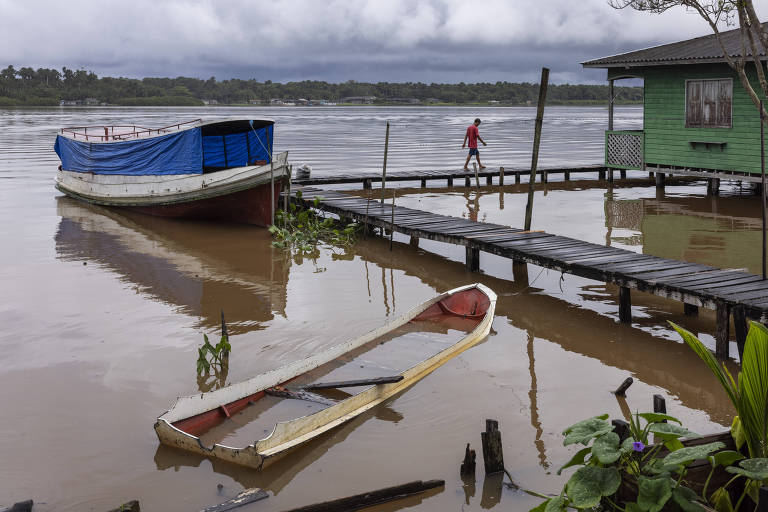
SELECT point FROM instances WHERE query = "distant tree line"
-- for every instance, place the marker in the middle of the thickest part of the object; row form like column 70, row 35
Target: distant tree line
column 43, row 87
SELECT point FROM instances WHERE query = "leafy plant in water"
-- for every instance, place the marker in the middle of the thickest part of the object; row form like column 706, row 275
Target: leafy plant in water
column 748, row 392
column 301, row 229
column 652, row 482
column 213, row 360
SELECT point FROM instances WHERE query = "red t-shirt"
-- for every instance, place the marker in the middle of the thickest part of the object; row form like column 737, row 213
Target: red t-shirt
column 472, row 133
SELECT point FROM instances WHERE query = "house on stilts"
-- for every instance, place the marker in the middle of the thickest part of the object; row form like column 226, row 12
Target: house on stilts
column 698, row 119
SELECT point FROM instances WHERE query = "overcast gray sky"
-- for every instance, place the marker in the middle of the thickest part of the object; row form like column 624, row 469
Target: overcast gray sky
column 332, row 40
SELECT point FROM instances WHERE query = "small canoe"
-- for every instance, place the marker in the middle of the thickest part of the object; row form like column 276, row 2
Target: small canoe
column 466, row 312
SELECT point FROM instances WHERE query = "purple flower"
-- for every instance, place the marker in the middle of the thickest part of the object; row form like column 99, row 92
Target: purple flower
column 638, row 446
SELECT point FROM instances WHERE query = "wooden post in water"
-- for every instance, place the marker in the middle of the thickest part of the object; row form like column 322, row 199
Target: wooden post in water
column 659, row 405
column 468, row 465
column 690, row 309
column 392, row 223
column 272, row 192
column 622, row 389
column 384, row 168
column 501, row 176
column 721, row 336
column 625, row 305
column 741, row 328
column 493, row 456
column 472, row 259
column 536, row 142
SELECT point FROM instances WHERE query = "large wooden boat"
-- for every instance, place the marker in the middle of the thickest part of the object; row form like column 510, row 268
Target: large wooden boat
column 219, row 170
column 465, row 312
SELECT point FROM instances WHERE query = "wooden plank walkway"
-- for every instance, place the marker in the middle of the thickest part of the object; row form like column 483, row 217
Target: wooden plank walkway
column 728, row 292
column 450, row 175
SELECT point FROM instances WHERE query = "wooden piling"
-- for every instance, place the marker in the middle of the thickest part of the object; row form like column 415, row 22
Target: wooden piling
column 601, row 175
column 610, row 175
column 741, row 328
column 468, row 465
column 517, row 176
column 501, row 176
column 489, row 180
column 536, row 143
column 450, row 182
column 423, row 183
column 477, row 176
column 621, row 428
column 715, row 186
column 567, row 175
column 493, row 456
column 622, row 389
column 660, row 179
column 623, row 174
column 384, row 167
column 472, row 259
column 520, row 272
column 414, row 241
column 467, row 181
column 392, row 223
column 367, row 184
column 625, row 305
column 690, row 309
column 722, row 314
column 659, row 405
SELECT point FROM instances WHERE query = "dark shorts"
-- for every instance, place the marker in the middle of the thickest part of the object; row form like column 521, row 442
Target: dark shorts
column 473, row 151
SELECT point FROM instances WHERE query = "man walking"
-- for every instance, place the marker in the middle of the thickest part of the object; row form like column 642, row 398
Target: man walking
column 473, row 135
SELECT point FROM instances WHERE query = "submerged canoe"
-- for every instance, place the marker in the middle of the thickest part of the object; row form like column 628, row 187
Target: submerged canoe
column 190, row 417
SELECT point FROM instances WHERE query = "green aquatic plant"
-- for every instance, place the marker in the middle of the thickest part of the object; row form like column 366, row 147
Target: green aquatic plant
column 748, row 392
column 214, row 357
column 300, row 229
column 633, row 475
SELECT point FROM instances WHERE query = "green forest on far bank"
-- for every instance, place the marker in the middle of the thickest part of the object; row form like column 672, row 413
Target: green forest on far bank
column 50, row 87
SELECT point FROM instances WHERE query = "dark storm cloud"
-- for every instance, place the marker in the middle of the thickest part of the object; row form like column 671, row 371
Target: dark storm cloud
column 338, row 40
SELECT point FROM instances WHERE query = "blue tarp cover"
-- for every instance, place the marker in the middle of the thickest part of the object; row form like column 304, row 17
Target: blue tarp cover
column 238, row 149
column 175, row 153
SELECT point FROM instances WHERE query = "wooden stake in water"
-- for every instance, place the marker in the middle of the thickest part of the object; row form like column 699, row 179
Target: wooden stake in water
column 477, row 176
column 367, row 207
column 536, row 142
column 392, row 223
column 384, row 168
column 762, row 171
column 272, row 193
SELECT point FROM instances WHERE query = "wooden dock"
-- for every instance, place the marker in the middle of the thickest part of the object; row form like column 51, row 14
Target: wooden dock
column 728, row 292
column 487, row 175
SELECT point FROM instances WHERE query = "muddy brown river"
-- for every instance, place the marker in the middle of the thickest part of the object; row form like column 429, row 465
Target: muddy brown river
column 102, row 313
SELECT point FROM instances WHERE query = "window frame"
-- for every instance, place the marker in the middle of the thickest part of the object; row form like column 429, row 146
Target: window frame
column 685, row 105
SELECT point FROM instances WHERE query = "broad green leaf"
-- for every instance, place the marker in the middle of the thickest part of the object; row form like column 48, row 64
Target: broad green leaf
column 721, row 500
column 686, row 499
column 753, row 489
column 606, row 448
column 753, row 389
column 541, row 507
column 737, row 433
column 706, row 356
column 754, row 469
column 627, row 445
column 632, row 507
column 576, row 460
column 655, row 417
column 725, row 458
column 590, row 483
column 691, row 453
column 585, row 430
column 673, row 444
column 556, row 504
column 670, row 431
column 653, row 493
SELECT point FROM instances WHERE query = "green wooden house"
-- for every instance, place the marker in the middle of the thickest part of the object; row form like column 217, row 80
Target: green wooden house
column 698, row 119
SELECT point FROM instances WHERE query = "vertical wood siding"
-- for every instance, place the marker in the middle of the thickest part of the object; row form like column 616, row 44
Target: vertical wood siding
column 667, row 139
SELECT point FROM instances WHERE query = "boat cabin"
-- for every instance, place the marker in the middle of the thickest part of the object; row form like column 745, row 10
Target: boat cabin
column 194, row 147
column 697, row 117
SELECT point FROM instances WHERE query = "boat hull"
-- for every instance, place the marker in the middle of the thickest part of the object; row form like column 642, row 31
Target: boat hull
column 243, row 195
column 191, row 416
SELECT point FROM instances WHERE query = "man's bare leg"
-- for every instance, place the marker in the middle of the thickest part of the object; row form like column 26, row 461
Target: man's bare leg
column 466, row 164
column 481, row 166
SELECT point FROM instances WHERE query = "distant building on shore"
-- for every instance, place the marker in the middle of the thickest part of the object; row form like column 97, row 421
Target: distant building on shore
column 407, row 101
column 360, row 100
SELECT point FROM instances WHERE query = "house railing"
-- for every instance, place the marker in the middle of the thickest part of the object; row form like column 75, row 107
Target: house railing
column 625, row 149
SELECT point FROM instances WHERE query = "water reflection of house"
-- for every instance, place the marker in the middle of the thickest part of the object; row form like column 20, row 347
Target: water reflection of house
column 696, row 113
column 190, row 265
column 722, row 233
column 361, row 100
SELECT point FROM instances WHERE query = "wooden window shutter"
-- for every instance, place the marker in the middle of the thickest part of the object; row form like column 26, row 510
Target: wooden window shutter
column 693, row 107
column 708, row 103
column 724, row 100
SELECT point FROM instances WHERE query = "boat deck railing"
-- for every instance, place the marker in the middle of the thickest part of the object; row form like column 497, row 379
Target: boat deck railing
column 104, row 133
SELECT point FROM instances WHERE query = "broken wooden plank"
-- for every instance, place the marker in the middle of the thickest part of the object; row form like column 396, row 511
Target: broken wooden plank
column 26, row 506
column 354, row 383
column 244, row 498
column 369, row 499
column 298, row 394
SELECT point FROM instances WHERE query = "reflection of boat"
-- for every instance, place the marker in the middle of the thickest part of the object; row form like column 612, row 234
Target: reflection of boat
column 220, row 170
column 194, row 269
column 468, row 310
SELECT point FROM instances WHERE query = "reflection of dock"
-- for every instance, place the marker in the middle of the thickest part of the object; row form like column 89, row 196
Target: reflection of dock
column 693, row 284
column 181, row 263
